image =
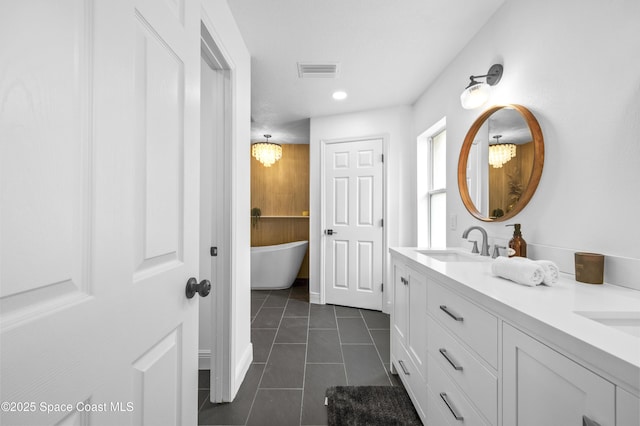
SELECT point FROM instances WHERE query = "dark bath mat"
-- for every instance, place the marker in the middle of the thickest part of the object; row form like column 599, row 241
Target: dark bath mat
column 370, row 406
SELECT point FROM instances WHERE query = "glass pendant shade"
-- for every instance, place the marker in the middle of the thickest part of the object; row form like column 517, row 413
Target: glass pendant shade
column 475, row 95
column 501, row 153
column 266, row 152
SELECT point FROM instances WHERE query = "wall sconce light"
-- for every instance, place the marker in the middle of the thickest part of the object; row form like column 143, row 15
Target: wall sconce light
column 477, row 93
column 266, row 152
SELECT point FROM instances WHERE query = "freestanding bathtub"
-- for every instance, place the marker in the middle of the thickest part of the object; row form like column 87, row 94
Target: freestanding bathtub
column 276, row 267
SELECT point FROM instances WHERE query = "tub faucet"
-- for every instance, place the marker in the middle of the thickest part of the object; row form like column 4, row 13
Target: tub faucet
column 485, row 243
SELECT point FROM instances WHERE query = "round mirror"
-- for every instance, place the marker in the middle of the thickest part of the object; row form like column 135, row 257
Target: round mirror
column 500, row 162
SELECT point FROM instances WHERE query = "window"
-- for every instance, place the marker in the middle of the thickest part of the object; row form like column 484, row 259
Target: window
column 438, row 191
column 432, row 186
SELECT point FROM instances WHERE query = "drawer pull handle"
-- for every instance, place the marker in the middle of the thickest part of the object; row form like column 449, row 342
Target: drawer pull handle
column 453, row 364
column 450, row 406
column 404, row 369
column 452, row 315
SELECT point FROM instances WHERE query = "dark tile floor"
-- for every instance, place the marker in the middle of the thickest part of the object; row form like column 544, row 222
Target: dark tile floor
column 299, row 350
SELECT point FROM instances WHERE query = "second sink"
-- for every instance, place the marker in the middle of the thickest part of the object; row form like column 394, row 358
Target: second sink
column 627, row 322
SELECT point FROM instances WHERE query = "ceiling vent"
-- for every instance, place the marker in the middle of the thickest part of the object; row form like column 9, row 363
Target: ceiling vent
column 315, row 70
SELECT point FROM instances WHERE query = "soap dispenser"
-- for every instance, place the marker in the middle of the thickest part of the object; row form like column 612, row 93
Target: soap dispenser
column 517, row 243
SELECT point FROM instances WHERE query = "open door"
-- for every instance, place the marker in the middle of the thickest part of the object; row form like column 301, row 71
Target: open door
column 99, row 134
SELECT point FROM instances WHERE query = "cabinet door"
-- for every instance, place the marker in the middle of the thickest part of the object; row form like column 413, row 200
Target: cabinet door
column 543, row 387
column 399, row 315
column 417, row 333
column 627, row 409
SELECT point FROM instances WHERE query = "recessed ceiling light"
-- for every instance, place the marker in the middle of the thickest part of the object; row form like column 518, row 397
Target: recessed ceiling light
column 339, row 95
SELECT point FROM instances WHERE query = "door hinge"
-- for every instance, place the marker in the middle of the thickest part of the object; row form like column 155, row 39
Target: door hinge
column 214, row 251
column 382, row 222
column 382, row 157
column 382, row 288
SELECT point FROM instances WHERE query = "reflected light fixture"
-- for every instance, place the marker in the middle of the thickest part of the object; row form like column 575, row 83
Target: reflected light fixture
column 339, row 95
column 500, row 153
column 477, row 93
column 266, row 152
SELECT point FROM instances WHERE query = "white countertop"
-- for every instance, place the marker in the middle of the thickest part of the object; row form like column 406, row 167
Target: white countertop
column 549, row 312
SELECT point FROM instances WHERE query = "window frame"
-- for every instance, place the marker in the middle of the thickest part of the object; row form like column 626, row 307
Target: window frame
column 425, row 176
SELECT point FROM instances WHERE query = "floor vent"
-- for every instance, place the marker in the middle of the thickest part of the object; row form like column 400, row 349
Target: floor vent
column 315, row 70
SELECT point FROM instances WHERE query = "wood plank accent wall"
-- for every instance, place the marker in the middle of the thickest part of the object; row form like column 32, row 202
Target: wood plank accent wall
column 517, row 170
column 282, row 190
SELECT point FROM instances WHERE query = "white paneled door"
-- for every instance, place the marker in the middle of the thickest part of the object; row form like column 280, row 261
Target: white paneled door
column 99, row 134
column 353, row 218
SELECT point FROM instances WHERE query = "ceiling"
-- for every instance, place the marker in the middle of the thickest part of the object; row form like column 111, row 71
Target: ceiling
column 388, row 51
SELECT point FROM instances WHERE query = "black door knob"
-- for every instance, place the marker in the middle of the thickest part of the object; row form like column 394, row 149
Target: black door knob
column 203, row 288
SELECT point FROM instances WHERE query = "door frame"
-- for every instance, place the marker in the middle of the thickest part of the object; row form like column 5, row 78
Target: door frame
column 323, row 219
column 220, row 358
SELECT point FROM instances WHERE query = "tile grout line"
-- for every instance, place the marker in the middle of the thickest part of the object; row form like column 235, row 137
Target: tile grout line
column 378, row 352
column 304, row 369
column 266, row 362
column 205, row 401
column 259, row 309
column 344, row 363
column 359, row 344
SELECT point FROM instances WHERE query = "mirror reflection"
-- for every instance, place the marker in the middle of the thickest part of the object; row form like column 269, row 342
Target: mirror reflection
column 499, row 156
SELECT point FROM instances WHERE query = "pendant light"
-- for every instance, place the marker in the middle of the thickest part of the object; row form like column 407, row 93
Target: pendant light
column 477, row 93
column 266, row 152
column 500, row 153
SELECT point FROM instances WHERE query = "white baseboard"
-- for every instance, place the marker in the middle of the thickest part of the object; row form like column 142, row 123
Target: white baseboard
column 204, row 359
column 242, row 366
column 314, row 298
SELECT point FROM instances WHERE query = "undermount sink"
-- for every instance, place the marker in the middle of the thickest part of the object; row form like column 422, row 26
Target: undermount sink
column 453, row 256
column 627, row 322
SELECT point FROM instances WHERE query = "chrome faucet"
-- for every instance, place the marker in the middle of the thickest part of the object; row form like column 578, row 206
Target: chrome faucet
column 485, row 240
column 496, row 251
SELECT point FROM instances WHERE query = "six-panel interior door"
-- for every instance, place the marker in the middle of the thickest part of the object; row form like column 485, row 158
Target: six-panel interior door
column 99, row 129
column 353, row 223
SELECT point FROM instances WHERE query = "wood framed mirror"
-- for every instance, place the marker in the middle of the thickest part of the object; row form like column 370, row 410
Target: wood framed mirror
column 500, row 162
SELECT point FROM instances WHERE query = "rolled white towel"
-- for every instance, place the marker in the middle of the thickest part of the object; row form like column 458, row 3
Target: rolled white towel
column 551, row 272
column 521, row 272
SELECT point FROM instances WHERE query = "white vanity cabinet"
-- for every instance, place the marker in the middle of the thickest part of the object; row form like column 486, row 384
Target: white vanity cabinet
column 627, row 408
column 543, row 387
column 408, row 334
column 473, row 350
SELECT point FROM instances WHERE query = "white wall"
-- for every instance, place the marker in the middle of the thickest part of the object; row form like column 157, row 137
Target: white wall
column 393, row 124
column 221, row 24
column 575, row 65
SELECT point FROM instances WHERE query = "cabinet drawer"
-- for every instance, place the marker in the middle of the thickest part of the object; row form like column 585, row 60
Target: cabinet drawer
column 413, row 381
column 435, row 415
column 451, row 402
column 478, row 382
column 472, row 324
column 398, row 351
